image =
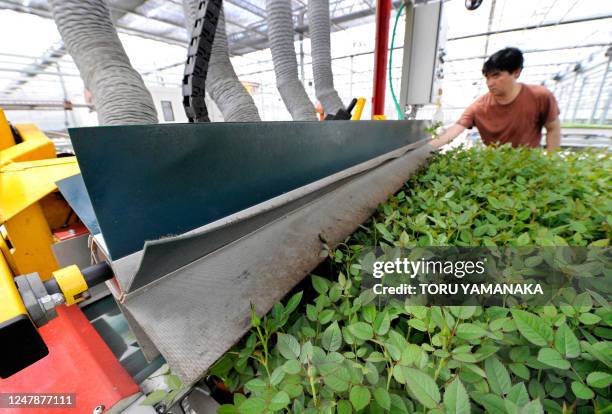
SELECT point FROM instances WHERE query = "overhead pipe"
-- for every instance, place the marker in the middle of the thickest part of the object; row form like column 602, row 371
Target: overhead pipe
column 319, row 27
column 383, row 15
column 118, row 91
column 280, row 35
column 222, row 84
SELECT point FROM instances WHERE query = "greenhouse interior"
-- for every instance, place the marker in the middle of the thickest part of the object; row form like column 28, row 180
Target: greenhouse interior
column 306, row 206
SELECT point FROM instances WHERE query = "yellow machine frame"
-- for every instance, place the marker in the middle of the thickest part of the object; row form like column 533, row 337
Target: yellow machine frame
column 30, row 207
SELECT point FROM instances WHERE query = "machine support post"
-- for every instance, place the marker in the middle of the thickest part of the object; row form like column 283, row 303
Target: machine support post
column 383, row 15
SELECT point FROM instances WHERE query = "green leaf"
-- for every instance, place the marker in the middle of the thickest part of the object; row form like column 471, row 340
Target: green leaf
column 326, row 316
column 361, row 330
column 470, row 331
column 376, row 357
column 411, row 354
column 599, row 379
column 336, row 376
column 371, row 373
column 382, row 323
column 255, row 385
column 463, row 312
column 566, row 342
column 589, row 318
column 456, row 400
column 493, row 403
column 293, row 390
column 292, row 366
column 382, row 397
column 344, row 407
column 359, row 397
column 311, row 313
column 255, row 320
column 533, row 407
column 595, row 351
column 523, row 240
column 582, row 391
column 600, row 300
column 277, row 376
column 422, row 386
column 497, row 375
column 532, row 327
column 279, row 401
column 320, row 284
column 519, row 353
column 520, row 370
column 552, row 358
column 399, row 374
column 518, row 394
column 288, row 346
column 154, row 397
column 369, row 313
column 418, row 324
column 173, row 382
column 331, row 339
column 533, row 261
column 239, row 399
column 384, row 232
column 293, row 303
column 253, row 405
column 227, row 409
column 418, row 311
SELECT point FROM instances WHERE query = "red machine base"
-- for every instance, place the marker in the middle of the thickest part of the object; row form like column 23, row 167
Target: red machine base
column 79, row 362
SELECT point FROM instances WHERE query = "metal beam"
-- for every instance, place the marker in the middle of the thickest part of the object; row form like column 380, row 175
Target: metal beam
column 531, row 27
column 550, row 49
column 20, row 105
column 10, row 5
column 251, row 8
column 241, row 40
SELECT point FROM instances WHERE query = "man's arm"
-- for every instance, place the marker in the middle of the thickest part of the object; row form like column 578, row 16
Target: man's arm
column 451, row 133
column 553, row 135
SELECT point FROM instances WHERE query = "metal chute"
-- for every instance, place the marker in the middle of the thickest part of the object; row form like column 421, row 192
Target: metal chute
column 199, row 220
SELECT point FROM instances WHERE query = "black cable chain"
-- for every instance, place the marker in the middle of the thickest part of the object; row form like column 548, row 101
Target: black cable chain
column 198, row 57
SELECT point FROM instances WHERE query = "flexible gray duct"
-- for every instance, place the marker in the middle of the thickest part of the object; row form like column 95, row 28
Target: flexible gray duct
column 118, row 90
column 280, row 36
column 319, row 28
column 222, row 84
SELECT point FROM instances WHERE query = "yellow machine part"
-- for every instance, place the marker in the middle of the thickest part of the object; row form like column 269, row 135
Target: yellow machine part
column 35, row 146
column 358, row 109
column 6, row 136
column 31, row 241
column 29, row 211
column 11, row 304
column 25, row 183
column 72, row 283
column 379, row 117
column 29, row 208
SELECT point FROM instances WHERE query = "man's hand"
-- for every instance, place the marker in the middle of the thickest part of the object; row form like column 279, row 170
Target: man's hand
column 553, row 135
column 451, row 133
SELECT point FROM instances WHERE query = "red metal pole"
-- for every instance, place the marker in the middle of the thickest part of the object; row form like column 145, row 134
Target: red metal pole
column 383, row 15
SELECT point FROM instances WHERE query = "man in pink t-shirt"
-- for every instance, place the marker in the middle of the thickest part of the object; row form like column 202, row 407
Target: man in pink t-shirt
column 511, row 112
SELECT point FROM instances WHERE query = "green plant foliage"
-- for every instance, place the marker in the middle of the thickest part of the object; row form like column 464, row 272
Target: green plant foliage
column 344, row 352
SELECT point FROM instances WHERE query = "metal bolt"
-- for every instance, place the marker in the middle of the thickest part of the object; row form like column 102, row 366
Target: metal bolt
column 58, row 298
column 47, row 303
column 99, row 409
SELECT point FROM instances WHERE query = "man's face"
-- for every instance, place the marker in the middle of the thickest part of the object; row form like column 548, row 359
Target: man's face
column 501, row 83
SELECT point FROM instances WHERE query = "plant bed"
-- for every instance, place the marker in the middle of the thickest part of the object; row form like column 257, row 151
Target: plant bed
column 338, row 351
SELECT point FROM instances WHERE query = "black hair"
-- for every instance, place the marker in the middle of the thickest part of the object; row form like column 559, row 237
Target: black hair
column 509, row 59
